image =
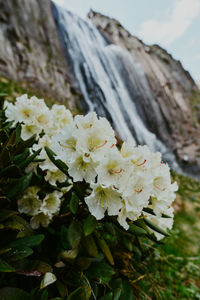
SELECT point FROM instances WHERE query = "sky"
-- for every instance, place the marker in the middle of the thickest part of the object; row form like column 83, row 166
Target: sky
column 173, row 24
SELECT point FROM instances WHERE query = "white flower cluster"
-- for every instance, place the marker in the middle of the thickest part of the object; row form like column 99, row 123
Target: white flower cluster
column 42, row 211
column 123, row 182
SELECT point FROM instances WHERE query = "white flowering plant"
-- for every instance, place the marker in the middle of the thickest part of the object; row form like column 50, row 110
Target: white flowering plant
column 85, row 204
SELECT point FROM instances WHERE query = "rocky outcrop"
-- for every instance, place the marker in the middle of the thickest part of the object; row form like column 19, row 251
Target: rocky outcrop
column 30, row 49
column 174, row 90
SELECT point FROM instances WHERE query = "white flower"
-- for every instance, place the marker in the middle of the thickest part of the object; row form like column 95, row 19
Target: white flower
column 53, row 176
column 103, row 199
column 80, row 169
column 64, row 143
column 61, row 117
column 127, row 148
column 124, row 215
column 40, row 219
column 138, row 188
column 46, row 164
column 30, row 203
column 96, row 141
column 51, row 203
column 164, row 223
column 29, row 129
column 86, row 122
column 111, row 168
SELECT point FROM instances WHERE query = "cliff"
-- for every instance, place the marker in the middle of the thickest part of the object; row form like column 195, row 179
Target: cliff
column 30, row 49
column 177, row 121
column 32, row 53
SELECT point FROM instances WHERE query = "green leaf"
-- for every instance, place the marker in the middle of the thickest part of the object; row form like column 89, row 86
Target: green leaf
column 19, row 253
column 57, row 162
column 21, row 157
column 137, row 252
column 155, row 227
column 77, row 294
column 69, row 254
column 90, row 246
column 83, row 263
column 108, row 296
column 5, row 267
column 74, row 234
column 89, row 225
column 22, row 145
column 31, row 267
column 105, row 249
column 134, row 229
column 101, row 271
column 150, row 211
column 127, row 291
column 62, row 289
column 29, row 159
column 18, row 186
column 74, row 203
column 11, row 293
column 4, row 215
column 29, row 241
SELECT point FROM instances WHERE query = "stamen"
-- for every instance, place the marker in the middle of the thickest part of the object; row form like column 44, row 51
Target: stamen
column 87, row 154
column 112, row 145
column 100, row 146
column 138, row 191
column 142, row 163
column 160, row 189
column 90, row 125
column 116, row 172
column 115, row 187
column 65, row 146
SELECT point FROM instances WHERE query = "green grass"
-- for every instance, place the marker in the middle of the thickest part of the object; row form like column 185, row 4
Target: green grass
column 173, row 272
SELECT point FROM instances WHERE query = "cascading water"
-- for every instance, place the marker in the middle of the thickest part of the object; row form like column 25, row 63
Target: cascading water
column 99, row 69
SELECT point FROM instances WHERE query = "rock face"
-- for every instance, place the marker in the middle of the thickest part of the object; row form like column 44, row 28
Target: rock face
column 30, row 49
column 177, row 120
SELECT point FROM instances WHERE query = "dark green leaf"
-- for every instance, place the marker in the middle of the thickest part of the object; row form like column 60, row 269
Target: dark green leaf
column 134, row 229
column 155, row 227
column 89, row 225
column 18, row 186
column 90, row 246
column 127, row 291
column 74, row 203
column 19, row 253
column 4, row 215
column 101, row 271
column 5, row 267
column 29, row 241
column 29, row 159
column 11, row 293
column 21, row 157
column 57, row 162
column 74, row 234
column 108, row 296
column 105, row 249
column 150, row 211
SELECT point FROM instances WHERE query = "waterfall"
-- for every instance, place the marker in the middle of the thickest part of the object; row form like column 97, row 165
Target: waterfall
column 109, row 80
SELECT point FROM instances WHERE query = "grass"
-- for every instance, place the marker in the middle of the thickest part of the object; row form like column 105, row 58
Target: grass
column 173, row 272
